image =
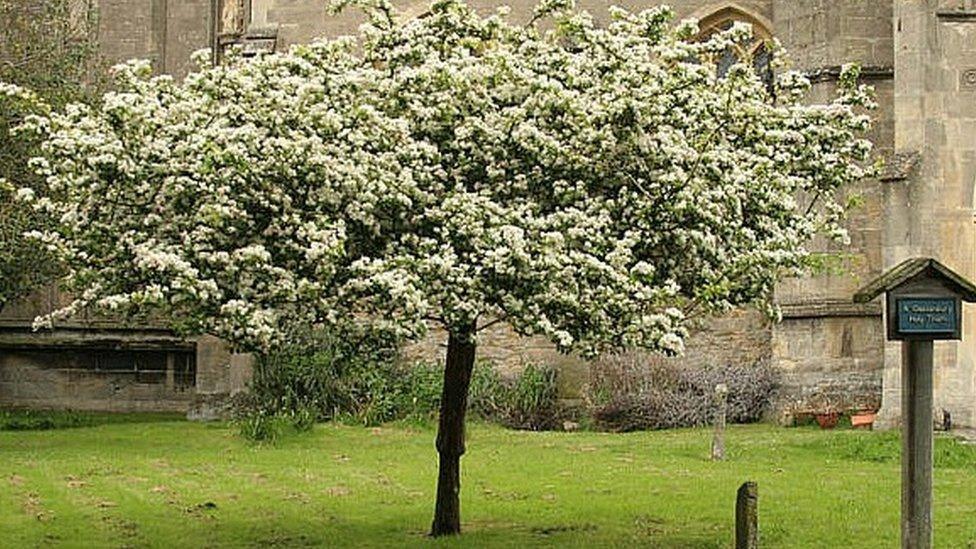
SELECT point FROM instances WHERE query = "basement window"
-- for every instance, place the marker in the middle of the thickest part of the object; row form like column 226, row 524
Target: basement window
column 150, row 367
column 174, row 369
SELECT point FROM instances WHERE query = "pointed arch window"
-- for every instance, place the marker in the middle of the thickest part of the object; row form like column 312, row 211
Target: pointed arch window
column 757, row 52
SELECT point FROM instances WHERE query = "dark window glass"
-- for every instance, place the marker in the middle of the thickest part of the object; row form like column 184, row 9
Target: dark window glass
column 184, row 370
column 762, row 60
column 725, row 62
column 132, row 361
column 150, row 367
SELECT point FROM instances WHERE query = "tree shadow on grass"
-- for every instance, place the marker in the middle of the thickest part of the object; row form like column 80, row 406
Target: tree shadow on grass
column 404, row 530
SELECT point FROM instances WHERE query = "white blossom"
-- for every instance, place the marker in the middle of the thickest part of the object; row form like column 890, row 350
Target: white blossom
column 597, row 186
column 24, row 194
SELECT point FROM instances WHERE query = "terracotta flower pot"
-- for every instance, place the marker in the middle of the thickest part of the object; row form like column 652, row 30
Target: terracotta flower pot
column 863, row 420
column 828, row 420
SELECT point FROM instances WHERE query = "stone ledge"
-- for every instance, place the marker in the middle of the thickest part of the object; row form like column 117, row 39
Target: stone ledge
column 828, row 309
column 831, row 73
column 957, row 16
column 115, row 324
column 966, row 436
column 148, row 340
column 253, row 41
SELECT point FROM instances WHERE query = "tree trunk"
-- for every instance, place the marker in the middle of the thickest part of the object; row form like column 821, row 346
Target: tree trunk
column 450, row 432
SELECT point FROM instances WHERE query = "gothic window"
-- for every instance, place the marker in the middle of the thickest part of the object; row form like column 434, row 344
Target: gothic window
column 757, row 52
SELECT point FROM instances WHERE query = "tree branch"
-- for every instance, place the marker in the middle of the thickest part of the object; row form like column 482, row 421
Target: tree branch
column 491, row 323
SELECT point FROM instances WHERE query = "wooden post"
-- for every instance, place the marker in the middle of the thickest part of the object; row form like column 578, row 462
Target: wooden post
column 923, row 303
column 747, row 516
column 721, row 409
column 916, row 444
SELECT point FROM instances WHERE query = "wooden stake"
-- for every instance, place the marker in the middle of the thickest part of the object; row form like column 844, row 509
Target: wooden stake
column 916, row 444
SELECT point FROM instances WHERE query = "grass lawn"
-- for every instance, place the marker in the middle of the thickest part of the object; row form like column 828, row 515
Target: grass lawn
column 169, row 483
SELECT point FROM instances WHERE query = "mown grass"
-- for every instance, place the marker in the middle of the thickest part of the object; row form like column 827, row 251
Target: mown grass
column 179, row 484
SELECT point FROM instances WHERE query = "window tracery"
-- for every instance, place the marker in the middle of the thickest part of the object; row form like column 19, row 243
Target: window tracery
column 758, row 52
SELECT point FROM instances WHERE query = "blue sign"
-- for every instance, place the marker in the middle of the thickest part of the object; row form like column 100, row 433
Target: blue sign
column 926, row 315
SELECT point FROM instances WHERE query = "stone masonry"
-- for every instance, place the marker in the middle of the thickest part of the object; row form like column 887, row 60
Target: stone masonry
column 920, row 55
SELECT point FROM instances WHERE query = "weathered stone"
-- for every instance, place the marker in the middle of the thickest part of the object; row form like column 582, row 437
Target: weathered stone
column 747, row 516
column 931, row 213
column 916, row 53
column 721, row 406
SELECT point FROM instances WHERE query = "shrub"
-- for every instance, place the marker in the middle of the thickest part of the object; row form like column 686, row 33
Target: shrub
column 321, row 376
column 525, row 401
column 262, row 426
column 530, row 400
column 419, row 390
column 630, row 392
column 486, row 397
column 356, row 377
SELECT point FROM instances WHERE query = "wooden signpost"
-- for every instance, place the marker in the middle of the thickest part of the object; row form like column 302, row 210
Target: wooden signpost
column 923, row 303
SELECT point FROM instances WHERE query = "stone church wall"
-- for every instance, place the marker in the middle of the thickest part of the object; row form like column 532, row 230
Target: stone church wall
column 930, row 206
column 824, row 345
column 830, row 352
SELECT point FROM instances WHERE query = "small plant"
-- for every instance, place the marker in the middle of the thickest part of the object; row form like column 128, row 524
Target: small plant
column 263, row 426
column 419, row 393
column 530, row 401
column 302, row 419
column 487, row 392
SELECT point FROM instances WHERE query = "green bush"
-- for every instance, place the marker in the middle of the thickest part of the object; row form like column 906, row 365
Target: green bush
column 355, row 376
column 486, row 396
column 419, row 390
column 324, row 376
column 527, row 401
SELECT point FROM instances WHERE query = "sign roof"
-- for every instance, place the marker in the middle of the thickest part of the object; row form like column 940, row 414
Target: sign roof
column 911, row 269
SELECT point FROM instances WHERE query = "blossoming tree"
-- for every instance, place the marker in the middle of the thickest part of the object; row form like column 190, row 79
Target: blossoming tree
column 595, row 185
